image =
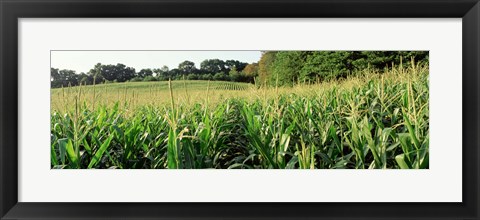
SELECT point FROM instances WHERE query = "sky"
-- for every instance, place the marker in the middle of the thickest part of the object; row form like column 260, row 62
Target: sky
column 83, row 61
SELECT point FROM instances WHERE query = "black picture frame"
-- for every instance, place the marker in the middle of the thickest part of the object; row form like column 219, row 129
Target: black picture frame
column 11, row 10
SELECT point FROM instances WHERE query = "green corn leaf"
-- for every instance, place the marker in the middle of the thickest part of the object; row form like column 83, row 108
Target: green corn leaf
column 62, row 149
column 53, row 155
column 87, row 146
column 172, row 150
column 98, row 155
column 401, row 161
column 411, row 131
column 72, row 156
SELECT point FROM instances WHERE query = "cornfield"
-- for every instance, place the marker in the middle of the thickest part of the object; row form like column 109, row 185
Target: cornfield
column 368, row 121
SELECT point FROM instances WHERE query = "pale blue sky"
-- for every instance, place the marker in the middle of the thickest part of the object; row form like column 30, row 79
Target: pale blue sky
column 83, row 61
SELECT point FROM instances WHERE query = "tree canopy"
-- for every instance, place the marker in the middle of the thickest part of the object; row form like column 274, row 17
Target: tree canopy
column 289, row 67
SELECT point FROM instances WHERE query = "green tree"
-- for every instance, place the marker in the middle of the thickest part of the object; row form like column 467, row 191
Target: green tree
column 95, row 74
column 239, row 66
column 84, row 79
column 207, row 76
column 287, row 67
column 63, row 78
column 187, row 67
column 220, row 76
column 192, row 76
column 162, row 73
column 265, row 66
column 234, row 75
column 175, row 74
column 251, row 70
column 326, row 65
column 144, row 73
column 212, row 66
column 119, row 72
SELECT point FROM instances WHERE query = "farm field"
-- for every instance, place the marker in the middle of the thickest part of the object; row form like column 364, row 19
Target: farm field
column 369, row 121
column 131, row 95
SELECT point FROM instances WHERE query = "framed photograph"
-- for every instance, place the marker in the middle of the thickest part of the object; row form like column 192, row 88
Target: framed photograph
column 239, row 110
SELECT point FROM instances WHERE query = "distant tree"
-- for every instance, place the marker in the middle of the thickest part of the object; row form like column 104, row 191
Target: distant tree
column 220, row 76
column 118, row 72
column 162, row 73
column 144, row 73
column 55, row 79
column 234, row 75
column 206, row 76
column 69, row 77
column 187, row 67
column 382, row 59
column 84, row 79
column 251, row 70
column 212, row 66
column 265, row 66
column 149, row 79
column 136, row 79
column 287, row 67
column 54, row 75
column 326, row 65
column 63, row 78
column 192, row 76
column 95, row 74
column 108, row 72
column 239, row 66
column 175, row 74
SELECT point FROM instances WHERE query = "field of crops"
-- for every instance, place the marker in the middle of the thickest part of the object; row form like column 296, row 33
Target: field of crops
column 371, row 120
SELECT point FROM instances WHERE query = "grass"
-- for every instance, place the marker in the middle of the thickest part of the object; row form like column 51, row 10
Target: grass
column 371, row 121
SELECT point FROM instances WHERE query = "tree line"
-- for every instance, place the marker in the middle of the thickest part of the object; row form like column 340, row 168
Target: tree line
column 282, row 68
column 290, row 67
column 210, row 69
